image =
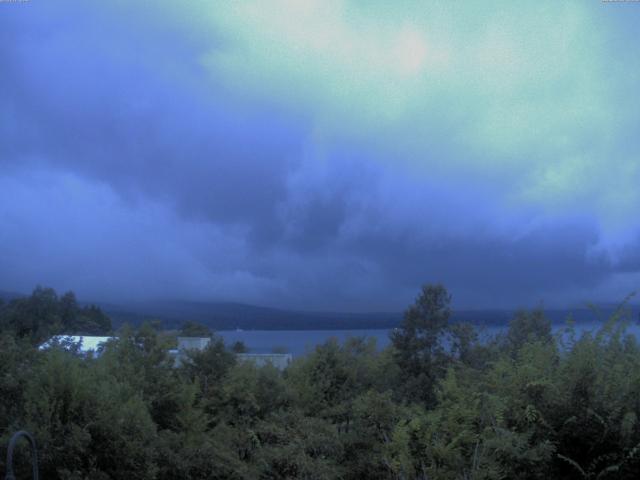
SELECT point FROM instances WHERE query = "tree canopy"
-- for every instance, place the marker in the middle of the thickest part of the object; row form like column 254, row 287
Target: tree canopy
column 436, row 403
column 43, row 314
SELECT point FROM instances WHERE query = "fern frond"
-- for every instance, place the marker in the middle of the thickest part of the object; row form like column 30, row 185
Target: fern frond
column 574, row 464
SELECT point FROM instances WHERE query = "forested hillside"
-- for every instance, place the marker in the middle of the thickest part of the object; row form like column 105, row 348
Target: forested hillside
column 526, row 405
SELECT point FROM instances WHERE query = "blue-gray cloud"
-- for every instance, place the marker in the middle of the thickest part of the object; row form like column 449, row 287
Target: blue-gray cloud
column 129, row 170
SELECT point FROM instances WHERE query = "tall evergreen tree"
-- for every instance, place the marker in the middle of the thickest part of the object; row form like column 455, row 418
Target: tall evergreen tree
column 418, row 347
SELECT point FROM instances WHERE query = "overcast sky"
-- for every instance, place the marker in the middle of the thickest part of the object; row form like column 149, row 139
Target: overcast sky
column 321, row 155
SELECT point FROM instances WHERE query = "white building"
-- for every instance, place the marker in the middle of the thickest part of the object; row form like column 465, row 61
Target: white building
column 86, row 343
column 94, row 344
column 193, row 343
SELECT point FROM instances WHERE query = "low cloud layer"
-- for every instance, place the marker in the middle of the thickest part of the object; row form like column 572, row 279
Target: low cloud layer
column 331, row 157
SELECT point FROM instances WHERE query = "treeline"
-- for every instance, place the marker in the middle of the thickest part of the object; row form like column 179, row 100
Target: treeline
column 436, row 404
column 44, row 313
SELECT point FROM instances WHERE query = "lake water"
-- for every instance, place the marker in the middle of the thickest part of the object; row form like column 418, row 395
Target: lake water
column 299, row 342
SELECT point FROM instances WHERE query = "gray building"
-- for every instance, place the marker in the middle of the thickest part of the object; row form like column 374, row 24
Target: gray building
column 193, row 343
column 278, row 360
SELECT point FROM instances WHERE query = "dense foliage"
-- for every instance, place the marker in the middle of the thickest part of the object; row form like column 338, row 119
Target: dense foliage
column 436, row 404
column 44, row 314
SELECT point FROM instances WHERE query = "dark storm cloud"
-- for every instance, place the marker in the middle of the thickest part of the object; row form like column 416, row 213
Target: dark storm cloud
column 628, row 260
column 98, row 110
column 127, row 171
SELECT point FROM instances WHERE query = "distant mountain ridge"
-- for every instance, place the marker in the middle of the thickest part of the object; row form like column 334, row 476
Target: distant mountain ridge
column 229, row 316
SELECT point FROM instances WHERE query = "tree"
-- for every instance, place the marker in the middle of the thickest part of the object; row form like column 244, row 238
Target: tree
column 418, row 348
column 17, row 361
column 194, row 329
column 527, row 327
column 207, row 367
column 43, row 314
column 366, row 445
column 239, row 347
column 68, row 306
column 88, row 424
column 91, row 320
column 36, row 317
